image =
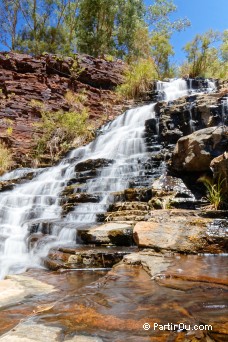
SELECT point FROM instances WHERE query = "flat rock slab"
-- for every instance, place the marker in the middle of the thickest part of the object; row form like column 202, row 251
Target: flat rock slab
column 182, row 231
column 81, row 338
column 119, row 234
column 31, row 332
column 175, row 266
column 16, row 287
column 153, row 263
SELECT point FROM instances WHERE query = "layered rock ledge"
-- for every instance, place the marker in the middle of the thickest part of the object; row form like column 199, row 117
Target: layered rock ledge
column 27, row 80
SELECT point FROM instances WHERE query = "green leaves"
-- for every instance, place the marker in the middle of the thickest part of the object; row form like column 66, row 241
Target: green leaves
column 138, row 79
column 215, row 193
column 204, row 59
column 159, row 17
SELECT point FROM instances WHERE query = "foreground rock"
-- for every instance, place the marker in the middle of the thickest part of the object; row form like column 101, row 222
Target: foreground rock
column 178, row 289
column 194, row 152
column 182, row 231
column 32, row 332
column 17, row 287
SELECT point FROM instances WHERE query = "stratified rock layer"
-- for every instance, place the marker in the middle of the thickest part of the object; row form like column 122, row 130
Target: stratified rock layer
column 25, row 81
column 183, row 231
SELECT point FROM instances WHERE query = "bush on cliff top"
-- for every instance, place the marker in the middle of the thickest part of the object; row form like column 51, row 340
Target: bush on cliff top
column 137, row 79
column 5, row 159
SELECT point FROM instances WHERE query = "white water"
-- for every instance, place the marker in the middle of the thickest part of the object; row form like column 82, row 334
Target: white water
column 224, row 110
column 39, row 200
column 173, row 89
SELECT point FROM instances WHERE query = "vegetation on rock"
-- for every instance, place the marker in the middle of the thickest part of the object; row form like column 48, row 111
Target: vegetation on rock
column 61, row 128
column 215, row 192
column 5, row 159
column 138, row 78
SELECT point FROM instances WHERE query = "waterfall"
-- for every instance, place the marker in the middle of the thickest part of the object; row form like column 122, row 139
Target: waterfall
column 173, row 89
column 121, row 142
column 224, row 110
column 210, row 85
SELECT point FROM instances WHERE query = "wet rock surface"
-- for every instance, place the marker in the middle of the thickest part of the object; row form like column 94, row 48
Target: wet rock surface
column 93, row 164
column 189, row 114
column 177, row 289
column 182, row 231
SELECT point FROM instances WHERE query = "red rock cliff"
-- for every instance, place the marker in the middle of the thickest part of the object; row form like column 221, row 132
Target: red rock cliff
column 24, row 79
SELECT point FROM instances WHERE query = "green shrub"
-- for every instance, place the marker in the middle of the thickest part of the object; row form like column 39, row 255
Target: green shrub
column 215, row 192
column 59, row 129
column 137, row 79
column 5, row 159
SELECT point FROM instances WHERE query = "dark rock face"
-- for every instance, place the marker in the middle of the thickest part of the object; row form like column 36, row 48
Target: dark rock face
column 25, row 80
column 189, row 114
column 92, row 164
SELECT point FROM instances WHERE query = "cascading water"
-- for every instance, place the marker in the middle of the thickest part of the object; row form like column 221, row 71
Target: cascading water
column 122, row 142
column 224, row 110
column 170, row 91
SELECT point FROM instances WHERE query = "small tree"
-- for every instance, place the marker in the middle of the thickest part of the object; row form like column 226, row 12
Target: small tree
column 201, row 54
column 9, row 17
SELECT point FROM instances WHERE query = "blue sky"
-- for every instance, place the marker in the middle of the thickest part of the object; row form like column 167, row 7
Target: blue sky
column 203, row 14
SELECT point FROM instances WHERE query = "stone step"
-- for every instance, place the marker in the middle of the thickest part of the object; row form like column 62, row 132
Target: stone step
column 119, row 234
column 124, row 215
column 85, row 257
column 120, row 206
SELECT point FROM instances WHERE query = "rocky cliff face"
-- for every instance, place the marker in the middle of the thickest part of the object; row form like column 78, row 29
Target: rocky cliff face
column 191, row 113
column 25, row 80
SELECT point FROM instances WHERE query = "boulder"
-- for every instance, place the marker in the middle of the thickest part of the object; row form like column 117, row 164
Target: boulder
column 182, row 231
column 219, row 166
column 194, row 153
column 171, row 192
column 119, row 234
